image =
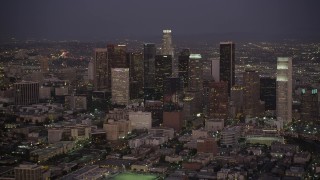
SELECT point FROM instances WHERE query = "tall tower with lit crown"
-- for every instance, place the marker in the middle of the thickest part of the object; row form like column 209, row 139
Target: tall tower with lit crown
column 167, row 49
column 284, row 89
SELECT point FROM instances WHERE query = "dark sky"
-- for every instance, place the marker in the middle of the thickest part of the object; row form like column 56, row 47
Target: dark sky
column 105, row 19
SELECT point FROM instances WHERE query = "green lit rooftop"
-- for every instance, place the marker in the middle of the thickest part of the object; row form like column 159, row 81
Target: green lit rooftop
column 135, row 176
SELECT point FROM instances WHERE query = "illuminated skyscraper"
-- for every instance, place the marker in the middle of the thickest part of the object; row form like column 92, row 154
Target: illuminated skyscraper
column 218, row 100
column 120, row 86
column 195, row 73
column 167, row 49
column 163, row 69
column 149, row 54
column 183, row 66
column 251, row 84
column 117, row 58
column 284, row 89
column 136, row 75
column 227, row 63
column 309, row 104
column 101, row 69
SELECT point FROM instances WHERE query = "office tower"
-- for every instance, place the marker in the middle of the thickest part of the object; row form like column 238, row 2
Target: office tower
column 136, row 75
column 284, row 89
column 236, row 99
column 268, row 92
column 227, row 63
column 26, row 93
column 218, row 100
column 195, row 73
column 172, row 94
column 183, row 66
column 163, row 69
column 149, row 54
column 167, row 49
column 91, row 71
column 251, row 94
column 120, row 86
column 28, row 172
column 215, row 69
column 192, row 104
column 101, row 69
column 309, row 104
column 117, row 56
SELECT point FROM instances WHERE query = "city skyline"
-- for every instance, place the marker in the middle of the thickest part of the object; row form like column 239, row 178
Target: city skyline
column 142, row 19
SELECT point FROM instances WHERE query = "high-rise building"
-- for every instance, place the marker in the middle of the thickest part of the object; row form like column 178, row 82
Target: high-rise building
column 236, row 99
column 101, row 69
column 215, row 69
column 309, row 104
column 149, row 54
column 251, row 94
column 163, row 69
column 172, row 94
column 218, row 103
column 268, row 92
column 136, row 75
column 195, row 73
column 117, row 56
column 227, row 63
column 28, row 172
column 26, row 93
column 120, row 86
column 91, row 71
column 167, row 49
column 284, row 89
column 183, row 66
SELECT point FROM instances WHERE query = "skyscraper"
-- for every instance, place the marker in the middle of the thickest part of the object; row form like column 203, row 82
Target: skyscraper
column 149, row 54
column 172, row 93
column 284, row 89
column 251, row 84
column 195, row 73
column 136, row 74
column 167, row 49
column 163, row 69
column 101, row 69
column 309, row 104
column 227, row 63
column 183, row 66
column 268, row 92
column 218, row 100
column 117, row 58
column 120, row 85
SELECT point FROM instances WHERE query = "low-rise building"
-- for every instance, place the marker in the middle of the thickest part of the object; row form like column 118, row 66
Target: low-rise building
column 214, row 124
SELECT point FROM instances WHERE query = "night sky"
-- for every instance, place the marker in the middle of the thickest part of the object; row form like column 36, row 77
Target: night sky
column 92, row 20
